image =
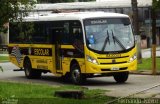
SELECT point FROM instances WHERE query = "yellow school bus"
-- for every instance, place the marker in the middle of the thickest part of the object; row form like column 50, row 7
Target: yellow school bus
column 75, row 45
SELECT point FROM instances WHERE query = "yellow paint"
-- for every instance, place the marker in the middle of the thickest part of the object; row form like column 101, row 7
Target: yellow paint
column 48, row 62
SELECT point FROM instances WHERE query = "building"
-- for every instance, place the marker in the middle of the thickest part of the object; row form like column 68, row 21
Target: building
column 4, row 38
column 118, row 6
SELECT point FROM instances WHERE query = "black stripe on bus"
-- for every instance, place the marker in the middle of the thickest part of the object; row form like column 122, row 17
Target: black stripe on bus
column 33, row 51
column 74, row 53
column 41, row 51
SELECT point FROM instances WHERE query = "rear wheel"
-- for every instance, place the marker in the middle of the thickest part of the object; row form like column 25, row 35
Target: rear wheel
column 76, row 76
column 29, row 72
column 121, row 77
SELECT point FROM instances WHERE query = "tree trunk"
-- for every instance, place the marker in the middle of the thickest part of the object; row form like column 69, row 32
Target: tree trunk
column 153, row 16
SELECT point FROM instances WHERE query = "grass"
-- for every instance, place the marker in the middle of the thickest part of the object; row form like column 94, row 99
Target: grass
column 44, row 94
column 4, row 58
column 147, row 64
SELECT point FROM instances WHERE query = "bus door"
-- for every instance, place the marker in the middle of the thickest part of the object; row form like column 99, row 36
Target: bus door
column 56, row 38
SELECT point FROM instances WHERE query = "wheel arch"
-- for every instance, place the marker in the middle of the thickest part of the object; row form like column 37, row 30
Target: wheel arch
column 74, row 61
column 25, row 59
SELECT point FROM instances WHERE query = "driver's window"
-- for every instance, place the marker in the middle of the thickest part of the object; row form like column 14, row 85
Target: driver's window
column 77, row 35
column 77, row 30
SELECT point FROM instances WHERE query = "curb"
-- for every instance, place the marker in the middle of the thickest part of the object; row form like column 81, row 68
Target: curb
column 144, row 73
column 5, row 61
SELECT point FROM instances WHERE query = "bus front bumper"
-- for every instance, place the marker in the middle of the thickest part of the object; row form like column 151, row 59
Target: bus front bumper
column 99, row 69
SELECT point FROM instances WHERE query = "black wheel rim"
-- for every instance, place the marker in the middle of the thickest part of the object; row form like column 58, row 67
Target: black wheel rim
column 27, row 69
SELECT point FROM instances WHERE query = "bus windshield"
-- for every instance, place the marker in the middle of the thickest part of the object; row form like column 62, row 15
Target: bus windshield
column 109, row 34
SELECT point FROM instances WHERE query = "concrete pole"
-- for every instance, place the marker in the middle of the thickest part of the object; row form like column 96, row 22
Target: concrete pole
column 153, row 16
column 136, row 29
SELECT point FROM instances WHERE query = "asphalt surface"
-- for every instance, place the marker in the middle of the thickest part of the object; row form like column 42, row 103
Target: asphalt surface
column 134, row 84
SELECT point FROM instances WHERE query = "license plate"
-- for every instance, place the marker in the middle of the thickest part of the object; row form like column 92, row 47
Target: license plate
column 115, row 68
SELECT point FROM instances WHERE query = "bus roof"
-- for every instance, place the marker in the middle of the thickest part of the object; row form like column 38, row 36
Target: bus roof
column 71, row 16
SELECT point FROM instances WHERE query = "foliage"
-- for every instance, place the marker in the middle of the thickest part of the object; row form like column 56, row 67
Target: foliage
column 156, row 4
column 13, row 10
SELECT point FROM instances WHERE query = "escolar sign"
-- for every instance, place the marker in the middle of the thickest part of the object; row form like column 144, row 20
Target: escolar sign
column 41, row 52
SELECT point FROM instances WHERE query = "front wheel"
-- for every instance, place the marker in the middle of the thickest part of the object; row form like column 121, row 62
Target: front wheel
column 121, row 77
column 76, row 76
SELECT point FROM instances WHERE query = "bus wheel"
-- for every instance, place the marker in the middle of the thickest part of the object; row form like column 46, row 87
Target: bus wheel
column 76, row 76
column 121, row 77
column 29, row 72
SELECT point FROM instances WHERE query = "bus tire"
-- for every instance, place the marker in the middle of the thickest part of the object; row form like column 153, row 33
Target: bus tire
column 121, row 77
column 66, row 78
column 29, row 72
column 76, row 76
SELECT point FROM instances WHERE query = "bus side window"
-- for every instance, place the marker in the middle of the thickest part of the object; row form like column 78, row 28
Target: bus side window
column 77, row 33
column 66, row 33
column 61, row 32
column 77, row 30
column 77, row 36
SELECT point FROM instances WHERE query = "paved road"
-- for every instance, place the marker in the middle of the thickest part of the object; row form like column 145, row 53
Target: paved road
column 135, row 82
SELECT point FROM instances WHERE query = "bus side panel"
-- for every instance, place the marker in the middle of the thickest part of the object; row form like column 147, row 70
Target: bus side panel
column 68, row 54
column 67, row 62
column 66, row 65
column 81, row 62
column 14, row 61
column 41, row 56
column 15, row 55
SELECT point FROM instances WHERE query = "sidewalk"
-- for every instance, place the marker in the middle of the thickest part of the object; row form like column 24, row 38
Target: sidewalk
column 4, row 54
column 149, row 49
column 144, row 72
column 146, row 53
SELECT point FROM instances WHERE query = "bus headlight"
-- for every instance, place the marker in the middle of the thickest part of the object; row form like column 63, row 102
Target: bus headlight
column 133, row 57
column 91, row 59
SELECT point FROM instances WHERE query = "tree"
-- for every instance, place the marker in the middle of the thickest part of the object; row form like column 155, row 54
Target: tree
column 154, row 9
column 13, row 10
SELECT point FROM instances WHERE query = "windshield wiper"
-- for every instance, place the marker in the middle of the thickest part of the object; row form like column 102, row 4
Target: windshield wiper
column 115, row 39
column 105, row 42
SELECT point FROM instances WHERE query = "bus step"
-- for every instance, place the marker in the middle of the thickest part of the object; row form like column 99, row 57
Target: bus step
column 18, row 70
column 59, row 72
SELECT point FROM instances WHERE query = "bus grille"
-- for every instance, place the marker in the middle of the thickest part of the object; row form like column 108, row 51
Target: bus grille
column 114, row 63
column 124, row 68
column 113, row 57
